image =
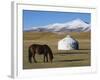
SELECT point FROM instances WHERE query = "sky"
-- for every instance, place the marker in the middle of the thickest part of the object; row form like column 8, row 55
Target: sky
column 33, row 18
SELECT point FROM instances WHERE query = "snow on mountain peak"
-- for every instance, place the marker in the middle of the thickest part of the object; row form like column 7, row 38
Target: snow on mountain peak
column 76, row 25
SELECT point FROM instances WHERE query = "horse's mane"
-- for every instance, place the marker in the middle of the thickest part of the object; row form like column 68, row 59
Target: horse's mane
column 49, row 51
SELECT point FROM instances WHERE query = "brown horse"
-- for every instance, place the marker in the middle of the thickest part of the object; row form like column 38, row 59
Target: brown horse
column 39, row 49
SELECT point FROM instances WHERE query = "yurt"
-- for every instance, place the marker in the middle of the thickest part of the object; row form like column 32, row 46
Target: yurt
column 68, row 43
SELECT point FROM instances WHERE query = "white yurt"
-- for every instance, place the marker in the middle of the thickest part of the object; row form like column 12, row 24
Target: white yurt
column 68, row 43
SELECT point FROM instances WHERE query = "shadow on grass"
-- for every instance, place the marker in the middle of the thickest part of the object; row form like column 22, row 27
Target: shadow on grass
column 71, row 53
column 70, row 60
column 80, row 51
column 84, row 49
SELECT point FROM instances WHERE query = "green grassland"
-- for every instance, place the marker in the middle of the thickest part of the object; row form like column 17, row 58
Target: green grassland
column 67, row 58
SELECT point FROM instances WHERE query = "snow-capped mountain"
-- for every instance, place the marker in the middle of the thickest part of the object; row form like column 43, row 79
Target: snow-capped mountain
column 76, row 25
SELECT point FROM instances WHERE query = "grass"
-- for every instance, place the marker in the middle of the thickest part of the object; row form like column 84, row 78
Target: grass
column 68, row 58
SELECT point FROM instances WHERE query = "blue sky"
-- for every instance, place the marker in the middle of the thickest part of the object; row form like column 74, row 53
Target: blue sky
column 33, row 18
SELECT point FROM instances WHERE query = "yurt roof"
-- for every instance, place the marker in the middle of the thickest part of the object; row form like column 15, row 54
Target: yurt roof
column 69, row 39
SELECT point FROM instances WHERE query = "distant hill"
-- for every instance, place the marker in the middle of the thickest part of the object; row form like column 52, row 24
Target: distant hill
column 76, row 25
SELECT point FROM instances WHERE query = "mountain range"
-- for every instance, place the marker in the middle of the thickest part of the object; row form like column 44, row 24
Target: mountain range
column 76, row 25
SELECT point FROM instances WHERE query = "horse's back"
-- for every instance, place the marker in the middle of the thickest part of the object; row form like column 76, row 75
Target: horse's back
column 38, row 48
column 34, row 45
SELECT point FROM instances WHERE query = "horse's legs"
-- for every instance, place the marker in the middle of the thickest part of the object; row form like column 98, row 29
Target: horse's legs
column 47, row 58
column 30, row 59
column 34, row 58
column 44, row 59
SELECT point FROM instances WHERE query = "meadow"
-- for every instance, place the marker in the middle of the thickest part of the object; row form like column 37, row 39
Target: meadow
column 62, row 58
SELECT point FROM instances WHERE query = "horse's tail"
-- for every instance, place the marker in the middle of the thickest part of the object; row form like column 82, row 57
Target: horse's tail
column 29, row 54
column 50, row 53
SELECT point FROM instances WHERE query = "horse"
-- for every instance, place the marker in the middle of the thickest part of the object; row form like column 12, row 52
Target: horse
column 44, row 50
